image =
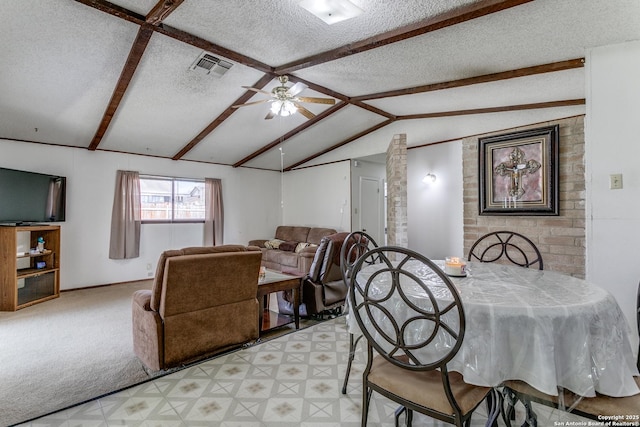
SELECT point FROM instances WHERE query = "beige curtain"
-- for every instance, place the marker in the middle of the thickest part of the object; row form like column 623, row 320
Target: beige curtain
column 125, row 218
column 214, row 212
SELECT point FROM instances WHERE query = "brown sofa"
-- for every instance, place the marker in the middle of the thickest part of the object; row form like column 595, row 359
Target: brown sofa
column 203, row 301
column 286, row 258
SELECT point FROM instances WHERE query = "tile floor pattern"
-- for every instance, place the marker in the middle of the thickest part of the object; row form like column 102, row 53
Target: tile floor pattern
column 293, row 380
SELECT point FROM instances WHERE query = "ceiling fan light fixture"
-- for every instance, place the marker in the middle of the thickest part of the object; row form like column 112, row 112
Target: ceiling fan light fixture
column 283, row 108
column 331, row 11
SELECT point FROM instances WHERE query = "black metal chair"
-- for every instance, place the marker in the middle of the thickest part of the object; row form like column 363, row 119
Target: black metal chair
column 506, row 245
column 589, row 407
column 415, row 331
column 355, row 245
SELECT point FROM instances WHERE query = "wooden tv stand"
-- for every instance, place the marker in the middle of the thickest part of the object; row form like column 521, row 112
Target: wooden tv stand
column 28, row 277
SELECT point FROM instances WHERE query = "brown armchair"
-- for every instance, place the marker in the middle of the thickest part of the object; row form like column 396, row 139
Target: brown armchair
column 203, row 301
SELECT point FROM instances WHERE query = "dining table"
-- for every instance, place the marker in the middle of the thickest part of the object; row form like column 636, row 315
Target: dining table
column 546, row 328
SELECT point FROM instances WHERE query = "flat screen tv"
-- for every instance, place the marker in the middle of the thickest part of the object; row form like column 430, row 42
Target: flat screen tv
column 30, row 197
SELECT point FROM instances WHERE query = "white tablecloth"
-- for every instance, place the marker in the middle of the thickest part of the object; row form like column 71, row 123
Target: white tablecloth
column 542, row 327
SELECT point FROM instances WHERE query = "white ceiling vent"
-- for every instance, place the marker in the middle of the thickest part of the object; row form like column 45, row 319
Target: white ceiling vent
column 209, row 64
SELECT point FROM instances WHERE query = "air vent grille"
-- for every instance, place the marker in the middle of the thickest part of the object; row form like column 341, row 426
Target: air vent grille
column 209, row 64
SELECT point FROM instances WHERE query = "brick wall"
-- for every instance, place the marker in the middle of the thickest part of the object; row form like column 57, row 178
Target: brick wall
column 560, row 239
column 397, row 230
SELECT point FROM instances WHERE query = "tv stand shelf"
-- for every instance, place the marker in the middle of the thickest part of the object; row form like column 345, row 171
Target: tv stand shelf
column 27, row 277
column 28, row 272
column 34, row 255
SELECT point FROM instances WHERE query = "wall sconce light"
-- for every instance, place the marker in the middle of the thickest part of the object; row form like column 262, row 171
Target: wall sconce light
column 429, row 178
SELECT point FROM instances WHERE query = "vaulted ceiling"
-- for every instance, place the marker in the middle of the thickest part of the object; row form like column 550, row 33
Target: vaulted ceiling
column 119, row 75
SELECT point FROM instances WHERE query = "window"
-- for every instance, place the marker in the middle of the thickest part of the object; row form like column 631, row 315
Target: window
column 166, row 199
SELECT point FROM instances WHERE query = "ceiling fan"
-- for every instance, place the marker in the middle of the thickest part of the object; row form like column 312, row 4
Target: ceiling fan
column 285, row 100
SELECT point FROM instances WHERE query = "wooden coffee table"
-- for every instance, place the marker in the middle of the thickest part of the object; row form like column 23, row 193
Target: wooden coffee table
column 275, row 281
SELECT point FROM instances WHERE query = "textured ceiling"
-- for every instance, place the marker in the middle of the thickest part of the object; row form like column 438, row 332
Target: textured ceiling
column 117, row 76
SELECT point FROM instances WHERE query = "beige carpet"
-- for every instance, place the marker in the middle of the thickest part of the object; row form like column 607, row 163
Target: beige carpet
column 66, row 351
column 73, row 349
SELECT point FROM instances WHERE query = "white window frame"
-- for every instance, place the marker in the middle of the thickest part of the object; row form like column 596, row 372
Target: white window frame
column 172, row 209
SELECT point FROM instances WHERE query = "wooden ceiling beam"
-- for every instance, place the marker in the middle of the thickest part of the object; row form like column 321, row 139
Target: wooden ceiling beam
column 456, row 16
column 129, row 69
column 534, row 106
column 174, row 33
column 551, row 104
column 161, row 10
column 487, row 78
column 340, row 144
column 115, row 10
column 222, row 117
column 203, row 44
column 153, row 22
column 291, row 133
column 341, row 97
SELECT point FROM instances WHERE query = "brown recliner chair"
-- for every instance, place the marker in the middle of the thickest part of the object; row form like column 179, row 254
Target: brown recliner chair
column 324, row 289
column 203, row 301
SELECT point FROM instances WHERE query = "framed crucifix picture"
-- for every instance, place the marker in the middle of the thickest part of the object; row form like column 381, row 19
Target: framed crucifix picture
column 519, row 173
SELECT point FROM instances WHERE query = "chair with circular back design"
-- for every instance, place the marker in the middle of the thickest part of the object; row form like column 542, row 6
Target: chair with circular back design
column 412, row 332
column 355, row 245
column 514, row 247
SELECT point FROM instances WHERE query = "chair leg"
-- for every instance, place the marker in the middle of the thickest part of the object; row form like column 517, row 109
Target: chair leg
column 399, row 410
column 366, row 397
column 352, row 350
column 495, row 404
column 508, row 414
column 531, row 419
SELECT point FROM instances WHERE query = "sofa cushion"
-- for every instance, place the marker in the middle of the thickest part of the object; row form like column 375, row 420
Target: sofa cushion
column 288, row 259
column 318, row 259
column 300, row 247
column 288, row 246
column 273, row 243
column 271, row 255
column 292, row 233
column 316, row 235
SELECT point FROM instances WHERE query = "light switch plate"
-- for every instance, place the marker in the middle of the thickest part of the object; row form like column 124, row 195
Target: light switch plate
column 615, row 181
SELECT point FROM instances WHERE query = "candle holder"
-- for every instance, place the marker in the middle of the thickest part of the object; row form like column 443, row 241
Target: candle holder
column 455, row 267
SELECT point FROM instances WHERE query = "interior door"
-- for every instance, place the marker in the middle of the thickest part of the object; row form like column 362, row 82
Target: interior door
column 370, row 208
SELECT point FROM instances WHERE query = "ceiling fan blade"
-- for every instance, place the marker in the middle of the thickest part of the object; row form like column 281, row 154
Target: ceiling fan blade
column 257, row 90
column 296, row 89
column 270, row 115
column 308, row 114
column 250, row 103
column 316, row 100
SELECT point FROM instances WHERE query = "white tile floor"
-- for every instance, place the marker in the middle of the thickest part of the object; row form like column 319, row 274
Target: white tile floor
column 293, row 380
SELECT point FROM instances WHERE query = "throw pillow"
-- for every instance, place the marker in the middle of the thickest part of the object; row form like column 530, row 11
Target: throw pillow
column 288, row 246
column 273, row 243
column 300, row 246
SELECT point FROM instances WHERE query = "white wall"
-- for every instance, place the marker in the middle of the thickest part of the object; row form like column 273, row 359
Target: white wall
column 318, row 196
column 251, row 201
column 435, row 210
column 613, row 146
